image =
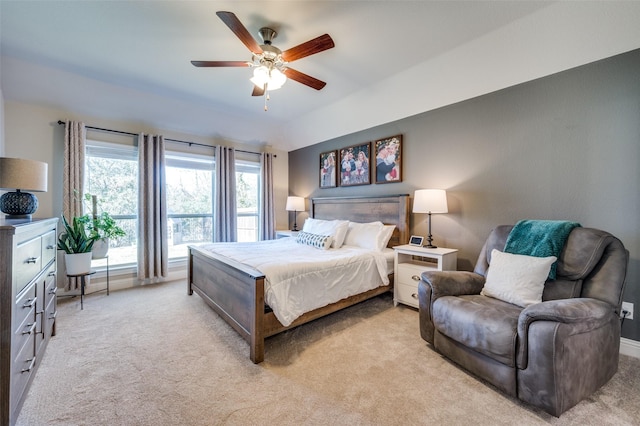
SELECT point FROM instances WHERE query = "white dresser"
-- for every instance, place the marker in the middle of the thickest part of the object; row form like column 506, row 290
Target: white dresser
column 27, row 306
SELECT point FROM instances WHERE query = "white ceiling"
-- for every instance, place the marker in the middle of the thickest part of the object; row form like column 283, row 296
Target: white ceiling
column 129, row 60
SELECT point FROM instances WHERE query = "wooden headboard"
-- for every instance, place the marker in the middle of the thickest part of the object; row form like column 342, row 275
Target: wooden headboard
column 389, row 209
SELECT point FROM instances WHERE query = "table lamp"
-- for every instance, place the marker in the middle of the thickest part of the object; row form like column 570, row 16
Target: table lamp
column 21, row 175
column 295, row 205
column 430, row 201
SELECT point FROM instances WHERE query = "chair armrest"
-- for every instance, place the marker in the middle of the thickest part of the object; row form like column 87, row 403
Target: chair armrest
column 585, row 313
column 577, row 315
column 453, row 283
column 436, row 284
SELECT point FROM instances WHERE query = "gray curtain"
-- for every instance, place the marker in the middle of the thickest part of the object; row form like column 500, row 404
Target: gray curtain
column 73, row 177
column 225, row 218
column 267, row 208
column 153, row 246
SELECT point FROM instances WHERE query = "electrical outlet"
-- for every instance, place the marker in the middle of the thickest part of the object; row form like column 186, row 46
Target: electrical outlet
column 626, row 306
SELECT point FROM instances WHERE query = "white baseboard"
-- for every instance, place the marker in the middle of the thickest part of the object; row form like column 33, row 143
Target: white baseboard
column 630, row 347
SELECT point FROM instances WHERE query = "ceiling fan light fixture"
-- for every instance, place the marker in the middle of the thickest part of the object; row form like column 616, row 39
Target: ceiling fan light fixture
column 273, row 78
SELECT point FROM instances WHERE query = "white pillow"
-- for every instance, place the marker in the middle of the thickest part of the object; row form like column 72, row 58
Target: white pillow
column 384, row 236
column 365, row 235
column 340, row 234
column 335, row 228
column 516, row 278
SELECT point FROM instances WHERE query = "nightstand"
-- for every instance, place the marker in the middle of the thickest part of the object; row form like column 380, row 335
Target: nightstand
column 409, row 264
column 285, row 233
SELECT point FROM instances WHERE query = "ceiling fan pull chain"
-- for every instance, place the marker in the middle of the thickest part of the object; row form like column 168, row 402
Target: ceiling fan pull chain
column 266, row 96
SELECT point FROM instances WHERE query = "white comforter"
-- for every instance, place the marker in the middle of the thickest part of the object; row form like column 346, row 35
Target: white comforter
column 300, row 278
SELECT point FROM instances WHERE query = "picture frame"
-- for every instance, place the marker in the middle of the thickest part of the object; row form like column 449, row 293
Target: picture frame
column 355, row 166
column 388, row 153
column 328, row 170
column 416, row 240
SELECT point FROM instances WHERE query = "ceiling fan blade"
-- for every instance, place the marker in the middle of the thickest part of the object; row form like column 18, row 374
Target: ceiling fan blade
column 310, row 47
column 221, row 63
column 240, row 31
column 305, row 79
column 257, row 91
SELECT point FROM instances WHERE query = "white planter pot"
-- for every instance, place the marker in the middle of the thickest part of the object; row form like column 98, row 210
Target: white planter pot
column 100, row 248
column 77, row 263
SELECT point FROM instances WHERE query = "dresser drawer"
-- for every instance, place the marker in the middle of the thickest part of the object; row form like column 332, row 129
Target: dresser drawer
column 49, row 318
column 23, row 366
column 409, row 273
column 407, row 294
column 25, row 305
column 50, row 285
column 27, row 262
column 25, row 333
column 48, row 247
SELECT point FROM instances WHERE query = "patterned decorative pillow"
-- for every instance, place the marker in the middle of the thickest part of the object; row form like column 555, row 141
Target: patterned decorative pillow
column 322, row 242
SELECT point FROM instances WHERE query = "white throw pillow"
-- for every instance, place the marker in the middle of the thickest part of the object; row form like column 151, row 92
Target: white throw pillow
column 516, row 278
column 365, row 235
column 384, row 236
column 340, row 233
column 334, row 228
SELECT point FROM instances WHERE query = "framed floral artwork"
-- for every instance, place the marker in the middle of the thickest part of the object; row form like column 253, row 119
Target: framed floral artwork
column 388, row 161
column 328, row 170
column 354, row 165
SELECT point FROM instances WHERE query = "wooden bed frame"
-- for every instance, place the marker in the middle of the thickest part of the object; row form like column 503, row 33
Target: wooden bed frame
column 236, row 291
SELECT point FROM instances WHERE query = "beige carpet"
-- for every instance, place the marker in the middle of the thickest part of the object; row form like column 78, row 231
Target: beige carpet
column 155, row 356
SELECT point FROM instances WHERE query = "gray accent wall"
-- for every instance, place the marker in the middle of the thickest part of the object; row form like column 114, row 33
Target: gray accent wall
column 563, row 147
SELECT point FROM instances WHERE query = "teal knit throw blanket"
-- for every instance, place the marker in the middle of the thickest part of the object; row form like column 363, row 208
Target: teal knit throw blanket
column 540, row 238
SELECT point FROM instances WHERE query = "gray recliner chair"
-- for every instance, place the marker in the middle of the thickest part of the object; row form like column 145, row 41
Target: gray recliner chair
column 551, row 354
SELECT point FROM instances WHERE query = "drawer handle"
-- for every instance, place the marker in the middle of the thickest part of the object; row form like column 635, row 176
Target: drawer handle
column 415, row 278
column 32, row 328
column 52, row 273
column 32, row 260
column 51, row 247
column 53, row 290
column 53, row 315
column 29, row 303
column 32, row 362
column 415, row 296
column 41, row 327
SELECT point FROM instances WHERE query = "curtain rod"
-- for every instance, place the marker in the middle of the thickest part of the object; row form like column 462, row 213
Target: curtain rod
column 120, row 132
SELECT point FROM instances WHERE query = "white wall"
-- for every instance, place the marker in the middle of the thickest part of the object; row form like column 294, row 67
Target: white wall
column 1, row 124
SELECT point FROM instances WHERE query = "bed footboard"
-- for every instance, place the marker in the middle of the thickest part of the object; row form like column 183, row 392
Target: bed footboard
column 234, row 291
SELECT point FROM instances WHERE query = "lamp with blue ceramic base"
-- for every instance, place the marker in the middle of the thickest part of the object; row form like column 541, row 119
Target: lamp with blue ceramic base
column 21, row 175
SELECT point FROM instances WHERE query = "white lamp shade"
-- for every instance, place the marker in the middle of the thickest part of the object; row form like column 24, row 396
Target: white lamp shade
column 25, row 175
column 274, row 78
column 295, row 204
column 430, row 201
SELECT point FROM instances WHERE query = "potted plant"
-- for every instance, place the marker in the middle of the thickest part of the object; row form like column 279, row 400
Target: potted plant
column 77, row 244
column 102, row 228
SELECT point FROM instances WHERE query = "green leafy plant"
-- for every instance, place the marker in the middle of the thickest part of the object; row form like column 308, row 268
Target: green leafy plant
column 75, row 237
column 100, row 225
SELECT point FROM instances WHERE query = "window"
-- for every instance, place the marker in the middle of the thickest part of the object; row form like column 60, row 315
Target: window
column 247, row 178
column 189, row 201
column 111, row 173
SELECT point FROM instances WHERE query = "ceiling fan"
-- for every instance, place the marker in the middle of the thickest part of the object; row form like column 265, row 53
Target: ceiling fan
column 271, row 65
